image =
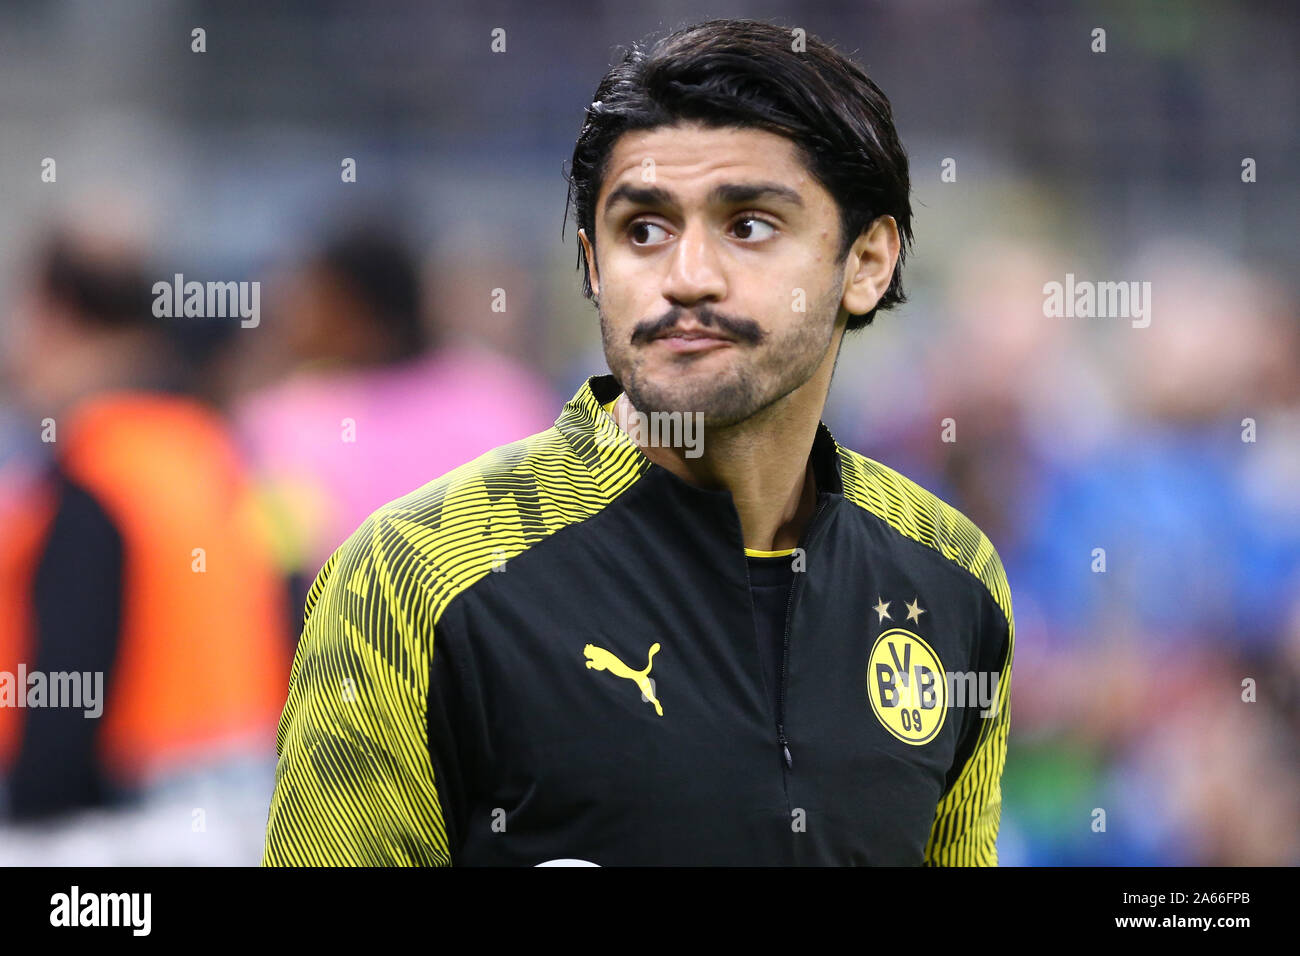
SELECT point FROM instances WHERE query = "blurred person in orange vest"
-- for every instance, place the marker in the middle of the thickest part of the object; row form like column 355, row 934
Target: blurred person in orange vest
column 144, row 631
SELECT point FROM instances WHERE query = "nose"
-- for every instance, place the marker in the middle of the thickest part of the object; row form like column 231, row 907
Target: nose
column 695, row 269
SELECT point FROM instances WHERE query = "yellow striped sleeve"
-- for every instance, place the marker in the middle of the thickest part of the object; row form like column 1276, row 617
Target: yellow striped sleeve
column 965, row 830
column 355, row 783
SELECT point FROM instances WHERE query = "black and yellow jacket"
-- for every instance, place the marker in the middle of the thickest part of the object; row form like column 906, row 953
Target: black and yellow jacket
column 549, row 653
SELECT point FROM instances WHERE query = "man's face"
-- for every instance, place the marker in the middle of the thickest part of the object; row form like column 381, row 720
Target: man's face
column 717, row 273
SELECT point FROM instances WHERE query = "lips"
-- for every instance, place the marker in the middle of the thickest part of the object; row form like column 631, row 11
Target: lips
column 692, row 333
column 692, row 339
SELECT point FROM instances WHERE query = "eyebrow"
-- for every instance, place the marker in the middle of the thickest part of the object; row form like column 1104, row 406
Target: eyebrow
column 729, row 193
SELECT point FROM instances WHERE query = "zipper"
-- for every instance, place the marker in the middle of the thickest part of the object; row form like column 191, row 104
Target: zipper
column 808, row 536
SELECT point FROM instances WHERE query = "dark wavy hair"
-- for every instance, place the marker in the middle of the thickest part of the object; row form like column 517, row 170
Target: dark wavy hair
column 746, row 73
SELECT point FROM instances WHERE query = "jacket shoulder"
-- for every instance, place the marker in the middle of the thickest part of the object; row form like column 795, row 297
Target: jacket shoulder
column 449, row 533
column 924, row 517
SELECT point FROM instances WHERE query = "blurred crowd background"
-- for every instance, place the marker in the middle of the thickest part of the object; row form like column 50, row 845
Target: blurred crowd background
column 228, row 460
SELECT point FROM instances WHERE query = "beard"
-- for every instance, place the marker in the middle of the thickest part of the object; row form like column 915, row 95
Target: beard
column 762, row 368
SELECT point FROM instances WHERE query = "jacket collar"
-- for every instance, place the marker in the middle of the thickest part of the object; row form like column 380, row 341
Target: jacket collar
column 615, row 461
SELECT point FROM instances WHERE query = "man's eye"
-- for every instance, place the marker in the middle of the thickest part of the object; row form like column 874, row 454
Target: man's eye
column 751, row 227
column 644, row 232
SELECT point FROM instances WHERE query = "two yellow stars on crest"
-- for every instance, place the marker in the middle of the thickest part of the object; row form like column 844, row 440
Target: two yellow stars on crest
column 914, row 609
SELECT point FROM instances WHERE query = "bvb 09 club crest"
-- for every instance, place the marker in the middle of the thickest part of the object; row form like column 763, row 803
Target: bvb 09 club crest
column 905, row 681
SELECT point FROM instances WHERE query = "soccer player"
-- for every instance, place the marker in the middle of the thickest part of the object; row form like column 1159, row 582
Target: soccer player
column 684, row 625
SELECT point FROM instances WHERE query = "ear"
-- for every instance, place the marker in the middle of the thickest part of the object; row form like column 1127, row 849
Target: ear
column 589, row 252
column 870, row 265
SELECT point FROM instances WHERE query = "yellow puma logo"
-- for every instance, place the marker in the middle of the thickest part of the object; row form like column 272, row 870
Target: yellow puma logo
column 602, row 660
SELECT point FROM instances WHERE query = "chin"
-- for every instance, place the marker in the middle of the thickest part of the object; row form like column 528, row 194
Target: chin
column 723, row 399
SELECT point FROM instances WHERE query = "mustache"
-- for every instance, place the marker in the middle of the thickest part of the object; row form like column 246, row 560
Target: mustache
column 743, row 330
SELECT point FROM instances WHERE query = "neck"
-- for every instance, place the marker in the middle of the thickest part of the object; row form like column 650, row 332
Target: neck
column 763, row 462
